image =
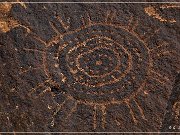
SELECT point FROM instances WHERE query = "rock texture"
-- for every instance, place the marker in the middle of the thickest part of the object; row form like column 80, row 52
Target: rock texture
column 90, row 68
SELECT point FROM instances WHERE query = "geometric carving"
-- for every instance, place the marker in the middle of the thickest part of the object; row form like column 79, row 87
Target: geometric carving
column 105, row 71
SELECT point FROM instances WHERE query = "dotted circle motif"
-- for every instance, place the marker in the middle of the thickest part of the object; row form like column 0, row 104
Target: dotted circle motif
column 100, row 63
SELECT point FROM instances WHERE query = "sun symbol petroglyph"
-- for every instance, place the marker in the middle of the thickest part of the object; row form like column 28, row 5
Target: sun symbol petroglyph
column 99, row 65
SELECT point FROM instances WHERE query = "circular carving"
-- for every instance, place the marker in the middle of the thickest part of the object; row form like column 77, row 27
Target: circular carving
column 101, row 63
column 84, row 67
column 98, row 62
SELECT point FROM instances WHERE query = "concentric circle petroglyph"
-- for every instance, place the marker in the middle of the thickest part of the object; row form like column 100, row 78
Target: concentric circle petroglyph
column 110, row 66
column 99, row 62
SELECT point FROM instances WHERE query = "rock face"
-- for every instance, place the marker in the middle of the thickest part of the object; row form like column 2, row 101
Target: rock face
column 172, row 117
column 90, row 68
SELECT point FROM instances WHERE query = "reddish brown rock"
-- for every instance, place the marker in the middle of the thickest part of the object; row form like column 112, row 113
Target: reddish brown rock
column 88, row 67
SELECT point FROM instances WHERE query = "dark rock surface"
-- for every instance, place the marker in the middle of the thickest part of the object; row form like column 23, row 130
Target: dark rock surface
column 172, row 118
column 90, row 68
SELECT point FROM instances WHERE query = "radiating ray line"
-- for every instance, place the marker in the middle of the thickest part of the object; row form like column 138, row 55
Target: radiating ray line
column 176, row 62
column 62, row 47
column 117, row 122
column 113, row 15
column 159, row 46
column 149, row 36
column 38, row 38
column 140, row 109
column 38, row 86
column 34, row 50
column 9, row 121
column 131, row 112
column 59, row 107
column 114, row 78
column 103, row 109
column 55, row 39
column 89, row 21
column 176, row 52
column 109, row 16
column 130, row 21
column 63, row 77
column 86, row 20
column 95, row 117
column 158, row 80
column 136, row 51
column 163, row 53
column 23, row 71
column 135, row 25
column 72, row 110
column 83, row 21
column 132, row 25
column 65, row 26
column 45, row 66
column 170, row 53
column 54, row 28
column 48, row 89
column 52, row 122
column 161, row 76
